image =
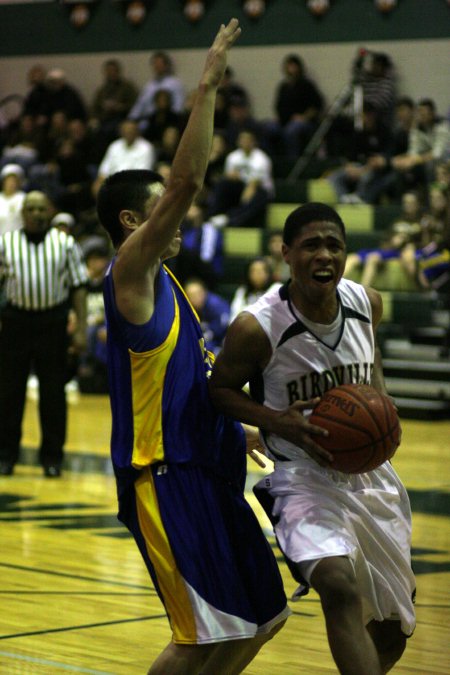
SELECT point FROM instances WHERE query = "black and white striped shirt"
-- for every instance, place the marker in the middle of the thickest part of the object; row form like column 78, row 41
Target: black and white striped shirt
column 39, row 276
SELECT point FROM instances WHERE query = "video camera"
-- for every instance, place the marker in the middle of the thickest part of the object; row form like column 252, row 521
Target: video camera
column 366, row 61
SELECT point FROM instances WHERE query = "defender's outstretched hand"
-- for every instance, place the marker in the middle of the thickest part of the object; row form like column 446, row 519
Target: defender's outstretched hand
column 216, row 61
column 254, row 446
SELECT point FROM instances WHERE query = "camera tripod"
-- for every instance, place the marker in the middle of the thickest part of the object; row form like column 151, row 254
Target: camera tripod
column 351, row 92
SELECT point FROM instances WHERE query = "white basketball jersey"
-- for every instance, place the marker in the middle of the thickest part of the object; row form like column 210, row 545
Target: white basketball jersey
column 304, row 362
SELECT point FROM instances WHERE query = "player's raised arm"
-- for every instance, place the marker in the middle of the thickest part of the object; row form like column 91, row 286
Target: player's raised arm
column 152, row 238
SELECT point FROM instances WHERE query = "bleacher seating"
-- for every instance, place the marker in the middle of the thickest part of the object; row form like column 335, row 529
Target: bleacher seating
column 243, row 241
column 241, row 244
column 364, row 224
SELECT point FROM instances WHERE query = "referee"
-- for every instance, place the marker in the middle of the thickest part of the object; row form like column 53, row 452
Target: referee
column 42, row 274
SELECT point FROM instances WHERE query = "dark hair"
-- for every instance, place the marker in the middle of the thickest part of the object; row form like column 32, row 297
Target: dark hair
column 123, row 190
column 308, row 213
column 429, row 103
column 164, row 56
column 293, row 58
column 382, row 60
column 249, row 288
column 405, row 100
column 113, row 62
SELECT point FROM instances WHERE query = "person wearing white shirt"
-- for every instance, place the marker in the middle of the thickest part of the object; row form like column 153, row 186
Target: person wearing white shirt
column 130, row 151
column 11, row 198
column 428, row 144
column 258, row 279
column 240, row 198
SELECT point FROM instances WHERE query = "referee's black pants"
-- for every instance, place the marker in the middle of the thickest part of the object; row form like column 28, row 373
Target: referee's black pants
column 33, row 341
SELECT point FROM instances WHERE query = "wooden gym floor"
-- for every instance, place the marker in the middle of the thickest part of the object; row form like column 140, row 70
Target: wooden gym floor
column 76, row 597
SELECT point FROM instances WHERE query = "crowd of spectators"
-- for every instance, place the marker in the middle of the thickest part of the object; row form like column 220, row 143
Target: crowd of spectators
column 391, row 150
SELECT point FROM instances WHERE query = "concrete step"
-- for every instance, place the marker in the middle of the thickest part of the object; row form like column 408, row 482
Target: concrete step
column 441, row 317
column 423, row 409
column 410, row 369
column 423, row 389
column 394, row 348
column 429, row 335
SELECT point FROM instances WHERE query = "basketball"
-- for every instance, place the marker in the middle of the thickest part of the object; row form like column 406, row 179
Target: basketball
column 364, row 429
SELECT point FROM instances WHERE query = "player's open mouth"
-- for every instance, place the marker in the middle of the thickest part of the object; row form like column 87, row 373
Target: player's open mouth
column 323, row 276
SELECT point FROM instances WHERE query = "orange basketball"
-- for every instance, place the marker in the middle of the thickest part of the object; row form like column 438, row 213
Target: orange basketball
column 364, row 429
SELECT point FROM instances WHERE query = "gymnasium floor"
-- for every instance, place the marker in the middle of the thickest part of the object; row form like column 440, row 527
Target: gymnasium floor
column 76, row 598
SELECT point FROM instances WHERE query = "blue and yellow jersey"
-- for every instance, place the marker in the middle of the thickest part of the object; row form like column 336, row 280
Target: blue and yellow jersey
column 158, row 377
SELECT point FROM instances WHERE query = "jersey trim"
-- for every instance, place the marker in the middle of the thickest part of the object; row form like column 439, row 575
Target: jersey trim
column 148, row 371
column 350, row 313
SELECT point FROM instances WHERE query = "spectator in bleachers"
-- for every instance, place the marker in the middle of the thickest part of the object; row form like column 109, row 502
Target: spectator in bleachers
column 204, row 241
column 56, row 131
column 231, row 90
column 12, row 178
column 405, row 231
column 428, row 144
column 79, row 132
column 405, row 111
column 72, row 189
column 61, row 97
column 217, row 157
column 130, row 151
column 163, row 168
column 213, row 312
column 257, row 280
column 34, row 100
column 429, row 264
column 388, row 184
column 162, row 117
column 111, row 103
column 64, row 170
column 230, row 94
column 442, row 175
column 240, row 118
column 163, row 78
column 92, row 369
column 240, row 197
column 298, row 106
column 201, row 252
column 375, row 73
column 23, row 142
column 434, row 222
column 361, row 178
column 169, row 144
column 220, row 112
column 278, row 265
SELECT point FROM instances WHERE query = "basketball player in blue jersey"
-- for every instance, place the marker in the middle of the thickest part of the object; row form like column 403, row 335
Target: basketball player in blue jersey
column 179, row 465
column 348, row 536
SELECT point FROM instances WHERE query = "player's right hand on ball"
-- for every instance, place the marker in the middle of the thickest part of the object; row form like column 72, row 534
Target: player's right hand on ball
column 294, row 427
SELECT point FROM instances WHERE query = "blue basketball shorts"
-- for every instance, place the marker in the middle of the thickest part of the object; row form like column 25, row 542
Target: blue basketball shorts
column 208, row 558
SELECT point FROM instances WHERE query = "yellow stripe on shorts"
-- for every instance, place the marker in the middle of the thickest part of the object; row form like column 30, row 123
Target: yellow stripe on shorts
column 171, row 583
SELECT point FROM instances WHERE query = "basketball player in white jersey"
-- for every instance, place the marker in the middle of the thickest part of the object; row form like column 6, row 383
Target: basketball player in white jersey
column 348, row 536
